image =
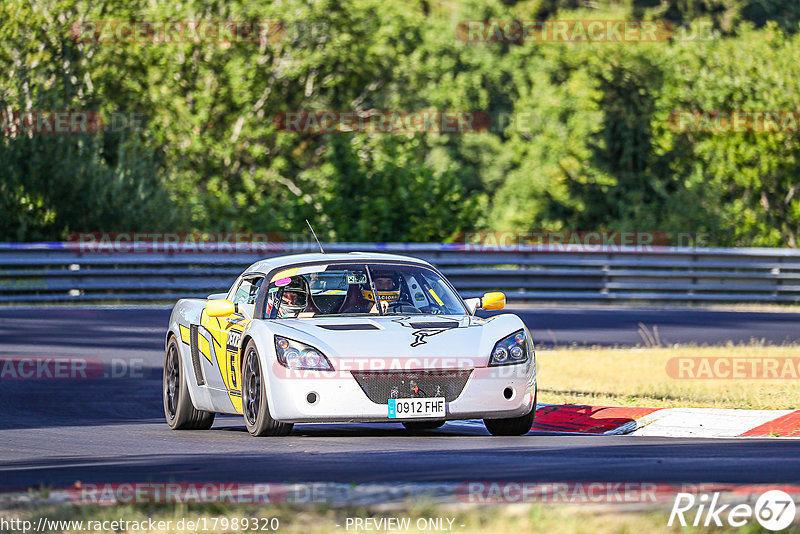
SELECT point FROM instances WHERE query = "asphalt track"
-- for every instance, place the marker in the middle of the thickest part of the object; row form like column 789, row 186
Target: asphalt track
column 56, row 432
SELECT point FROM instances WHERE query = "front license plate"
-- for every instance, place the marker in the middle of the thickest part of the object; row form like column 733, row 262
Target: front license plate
column 408, row 408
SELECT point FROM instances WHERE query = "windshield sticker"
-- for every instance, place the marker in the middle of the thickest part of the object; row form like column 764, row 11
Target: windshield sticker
column 356, row 278
column 294, row 271
column 286, row 273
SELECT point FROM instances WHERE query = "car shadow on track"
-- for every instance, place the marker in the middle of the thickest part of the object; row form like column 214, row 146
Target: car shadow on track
column 235, row 426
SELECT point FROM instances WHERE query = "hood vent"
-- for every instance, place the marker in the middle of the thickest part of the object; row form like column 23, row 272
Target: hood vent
column 359, row 326
column 435, row 324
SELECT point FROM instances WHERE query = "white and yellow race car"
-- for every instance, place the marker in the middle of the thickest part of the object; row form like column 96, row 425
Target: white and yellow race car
column 345, row 338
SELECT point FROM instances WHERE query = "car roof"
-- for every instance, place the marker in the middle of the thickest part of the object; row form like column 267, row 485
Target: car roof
column 268, row 264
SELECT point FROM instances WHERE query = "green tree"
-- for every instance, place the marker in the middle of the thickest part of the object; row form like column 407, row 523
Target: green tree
column 53, row 185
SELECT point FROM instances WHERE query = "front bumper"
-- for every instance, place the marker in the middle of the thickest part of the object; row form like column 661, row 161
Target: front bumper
column 489, row 393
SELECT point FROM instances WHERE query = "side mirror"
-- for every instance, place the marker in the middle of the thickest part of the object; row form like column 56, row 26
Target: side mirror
column 493, row 301
column 220, row 308
column 472, row 305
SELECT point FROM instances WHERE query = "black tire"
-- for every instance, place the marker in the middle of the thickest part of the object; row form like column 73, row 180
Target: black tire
column 513, row 426
column 179, row 411
column 423, row 425
column 255, row 407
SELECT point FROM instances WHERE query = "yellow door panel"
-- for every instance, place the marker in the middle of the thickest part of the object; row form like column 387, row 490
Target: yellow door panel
column 227, row 336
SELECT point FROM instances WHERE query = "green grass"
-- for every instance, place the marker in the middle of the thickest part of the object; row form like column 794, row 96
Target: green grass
column 639, row 377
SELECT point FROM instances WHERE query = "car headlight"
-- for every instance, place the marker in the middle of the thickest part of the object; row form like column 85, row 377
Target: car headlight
column 510, row 350
column 295, row 355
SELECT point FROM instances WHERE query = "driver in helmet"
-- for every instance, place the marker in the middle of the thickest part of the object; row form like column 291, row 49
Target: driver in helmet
column 387, row 284
column 294, row 298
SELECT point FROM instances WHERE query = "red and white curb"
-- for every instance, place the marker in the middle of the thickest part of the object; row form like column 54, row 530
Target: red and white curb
column 667, row 422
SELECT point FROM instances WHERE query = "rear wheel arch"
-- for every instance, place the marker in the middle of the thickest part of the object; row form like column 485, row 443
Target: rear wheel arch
column 170, row 334
column 243, row 351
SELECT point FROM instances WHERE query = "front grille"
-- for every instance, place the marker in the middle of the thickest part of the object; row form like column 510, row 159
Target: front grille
column 380, row 386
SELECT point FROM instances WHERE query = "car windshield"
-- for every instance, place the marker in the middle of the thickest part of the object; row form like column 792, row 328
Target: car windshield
column 346, row 290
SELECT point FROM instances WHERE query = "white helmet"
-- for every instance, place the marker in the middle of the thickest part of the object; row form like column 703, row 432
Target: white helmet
column 294, row 297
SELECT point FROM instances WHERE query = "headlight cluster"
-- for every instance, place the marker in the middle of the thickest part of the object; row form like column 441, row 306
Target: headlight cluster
column 295, row 355
column 510, row 350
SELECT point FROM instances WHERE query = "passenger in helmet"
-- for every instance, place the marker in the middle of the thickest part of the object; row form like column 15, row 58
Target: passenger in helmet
column 387, row 283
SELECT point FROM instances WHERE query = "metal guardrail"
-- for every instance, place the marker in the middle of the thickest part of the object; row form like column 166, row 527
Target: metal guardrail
column 61, row 272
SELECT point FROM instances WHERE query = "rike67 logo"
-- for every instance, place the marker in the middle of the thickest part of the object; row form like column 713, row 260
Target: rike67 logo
column 774, row 510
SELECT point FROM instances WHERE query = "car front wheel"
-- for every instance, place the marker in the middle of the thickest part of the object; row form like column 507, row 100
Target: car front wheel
column 512, row 426
column 255, row 407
